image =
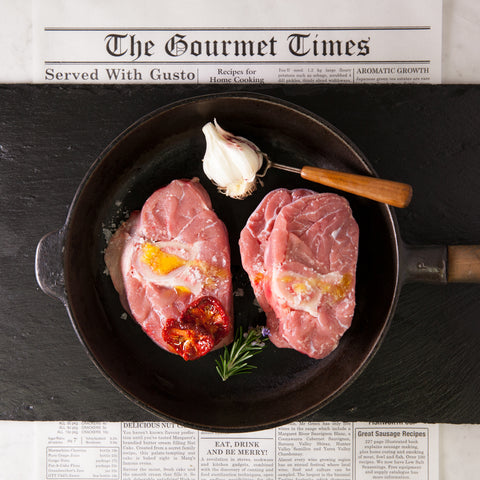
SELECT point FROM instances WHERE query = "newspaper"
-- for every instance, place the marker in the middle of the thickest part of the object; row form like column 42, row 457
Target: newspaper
column 344, row 42
column 152, row 450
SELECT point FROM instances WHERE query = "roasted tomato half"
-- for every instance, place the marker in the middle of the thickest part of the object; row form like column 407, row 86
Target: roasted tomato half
column 203, row 324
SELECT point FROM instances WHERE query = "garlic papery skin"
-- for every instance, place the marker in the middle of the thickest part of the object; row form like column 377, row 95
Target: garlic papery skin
column 231, row 162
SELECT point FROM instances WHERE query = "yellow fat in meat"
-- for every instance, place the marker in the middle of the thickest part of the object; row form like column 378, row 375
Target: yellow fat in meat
column 160, row 261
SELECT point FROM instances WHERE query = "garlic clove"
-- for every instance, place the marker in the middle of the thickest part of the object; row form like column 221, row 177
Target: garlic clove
column 231, row 162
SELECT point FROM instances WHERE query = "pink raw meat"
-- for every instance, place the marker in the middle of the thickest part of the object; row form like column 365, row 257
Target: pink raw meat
column 306, row 263
column 253, row 242
column 170, row 263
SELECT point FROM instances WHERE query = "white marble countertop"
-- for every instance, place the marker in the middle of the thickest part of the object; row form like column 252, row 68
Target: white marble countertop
column 461, row 35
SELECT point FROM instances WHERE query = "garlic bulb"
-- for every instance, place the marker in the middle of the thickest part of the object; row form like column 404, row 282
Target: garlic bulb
column 231, row 162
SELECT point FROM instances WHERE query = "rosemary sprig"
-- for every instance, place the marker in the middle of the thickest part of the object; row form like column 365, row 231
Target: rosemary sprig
column 233, row 361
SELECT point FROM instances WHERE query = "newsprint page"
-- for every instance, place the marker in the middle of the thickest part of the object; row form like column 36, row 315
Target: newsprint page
column 250, row 42
column 164, row 450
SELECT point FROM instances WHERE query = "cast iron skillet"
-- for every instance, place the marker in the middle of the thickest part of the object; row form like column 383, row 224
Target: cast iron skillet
column 169, row 144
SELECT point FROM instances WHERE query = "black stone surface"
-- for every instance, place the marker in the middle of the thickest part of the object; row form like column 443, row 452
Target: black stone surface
column 427, row 369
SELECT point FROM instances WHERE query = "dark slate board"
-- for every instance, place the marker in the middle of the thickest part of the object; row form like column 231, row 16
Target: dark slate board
column 427, row 369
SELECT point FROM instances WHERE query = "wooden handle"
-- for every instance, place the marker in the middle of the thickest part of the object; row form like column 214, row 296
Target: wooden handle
column 463, row 263
column 385, row 191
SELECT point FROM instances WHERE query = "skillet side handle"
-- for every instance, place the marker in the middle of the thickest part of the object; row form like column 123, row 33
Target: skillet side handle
column 426, row 264
column 49, row 264
column 463, row 263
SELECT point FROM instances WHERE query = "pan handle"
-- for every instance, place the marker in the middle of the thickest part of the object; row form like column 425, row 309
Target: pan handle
column 424, row 263
column 464, row 263
column 49, row 264
column 441, row 263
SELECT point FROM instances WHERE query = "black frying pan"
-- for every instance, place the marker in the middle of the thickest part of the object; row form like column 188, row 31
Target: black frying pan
column 169, row 144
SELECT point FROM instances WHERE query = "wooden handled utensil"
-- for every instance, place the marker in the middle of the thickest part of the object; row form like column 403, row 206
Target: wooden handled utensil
column 385, row 191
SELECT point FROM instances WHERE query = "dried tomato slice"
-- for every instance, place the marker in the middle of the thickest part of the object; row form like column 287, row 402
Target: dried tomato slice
column 203, row 324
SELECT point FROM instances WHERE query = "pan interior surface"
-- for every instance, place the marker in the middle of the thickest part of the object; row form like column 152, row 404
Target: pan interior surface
column 169, row 144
